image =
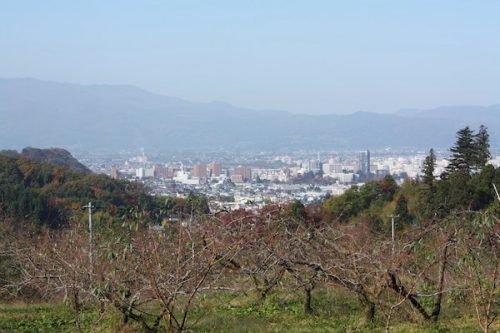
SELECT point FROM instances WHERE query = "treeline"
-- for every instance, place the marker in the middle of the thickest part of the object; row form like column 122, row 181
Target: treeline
column 465, row 186
column 158, row 278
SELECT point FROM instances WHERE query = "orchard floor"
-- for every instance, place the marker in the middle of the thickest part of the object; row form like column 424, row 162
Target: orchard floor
column 281, row 312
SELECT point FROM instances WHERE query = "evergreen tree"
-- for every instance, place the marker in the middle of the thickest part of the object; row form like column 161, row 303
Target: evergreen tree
column 296, row 210
column 401, row 210
column 428, row 169
column 463, row 156
column 196, row 204
column 482, row 147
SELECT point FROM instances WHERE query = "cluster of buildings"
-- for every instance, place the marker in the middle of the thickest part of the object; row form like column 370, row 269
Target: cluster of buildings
column 249, row 181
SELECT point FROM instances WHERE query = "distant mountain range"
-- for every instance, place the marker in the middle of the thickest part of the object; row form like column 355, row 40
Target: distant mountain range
column 44, row 114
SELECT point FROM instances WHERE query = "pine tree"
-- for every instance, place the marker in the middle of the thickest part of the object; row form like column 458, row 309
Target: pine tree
column 482, row 147
column 297, row 211
column 463, row 156
column 401, row 210
column 428, row 168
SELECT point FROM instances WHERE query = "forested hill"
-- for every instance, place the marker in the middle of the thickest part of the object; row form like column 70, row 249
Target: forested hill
column 55, row 156
column 52, row 192
column 47, row 194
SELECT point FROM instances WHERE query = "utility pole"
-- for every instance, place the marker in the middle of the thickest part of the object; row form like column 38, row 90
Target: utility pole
column 91, row 241
column 392, row 216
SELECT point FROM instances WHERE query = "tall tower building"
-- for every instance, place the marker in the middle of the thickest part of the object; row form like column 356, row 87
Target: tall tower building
column 364, row 163
column 368, row 171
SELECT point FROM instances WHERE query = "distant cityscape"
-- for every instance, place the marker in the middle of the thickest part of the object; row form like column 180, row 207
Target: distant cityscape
column 232, row 181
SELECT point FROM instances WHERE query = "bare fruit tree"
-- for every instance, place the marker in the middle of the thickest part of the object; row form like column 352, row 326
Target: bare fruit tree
column 477, row 268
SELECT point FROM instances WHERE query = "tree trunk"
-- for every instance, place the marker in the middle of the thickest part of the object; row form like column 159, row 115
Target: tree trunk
column 369, row 312
column 307, row 301
column 442, row 269
column 396, row 285
column 369, row 308
column 76, row 305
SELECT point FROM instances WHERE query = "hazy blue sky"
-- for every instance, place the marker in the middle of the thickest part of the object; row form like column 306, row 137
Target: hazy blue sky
column 303, row 56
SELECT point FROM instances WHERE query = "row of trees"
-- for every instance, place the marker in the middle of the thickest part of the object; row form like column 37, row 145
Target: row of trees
column 157, row 278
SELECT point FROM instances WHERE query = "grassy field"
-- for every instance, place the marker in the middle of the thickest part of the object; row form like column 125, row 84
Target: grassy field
column 238, row 313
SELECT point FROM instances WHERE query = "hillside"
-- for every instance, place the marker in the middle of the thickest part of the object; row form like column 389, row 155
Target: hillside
column 34, row 112
column 47, row 194
column 54, row 156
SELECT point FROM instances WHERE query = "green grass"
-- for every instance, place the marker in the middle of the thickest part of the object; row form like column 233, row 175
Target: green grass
column 35, row 318
column 225, row 312
column 54, row 318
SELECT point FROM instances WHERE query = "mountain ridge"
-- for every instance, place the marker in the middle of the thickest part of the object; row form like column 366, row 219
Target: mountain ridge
column 43, row 113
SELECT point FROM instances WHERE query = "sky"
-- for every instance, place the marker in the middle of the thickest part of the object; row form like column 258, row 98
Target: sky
column 309, row 56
